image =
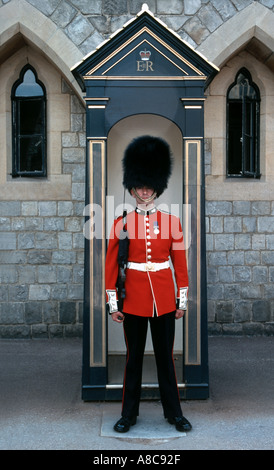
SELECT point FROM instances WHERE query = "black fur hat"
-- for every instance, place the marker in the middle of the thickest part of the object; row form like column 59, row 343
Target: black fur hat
column 147, row 162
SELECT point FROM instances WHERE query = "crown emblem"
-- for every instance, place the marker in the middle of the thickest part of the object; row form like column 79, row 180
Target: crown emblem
column 145, row 55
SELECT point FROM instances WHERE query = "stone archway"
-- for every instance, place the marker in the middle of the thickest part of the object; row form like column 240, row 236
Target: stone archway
column 21, row 23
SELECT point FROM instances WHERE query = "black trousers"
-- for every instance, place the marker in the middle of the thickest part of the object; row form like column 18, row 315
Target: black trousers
column 162, row 332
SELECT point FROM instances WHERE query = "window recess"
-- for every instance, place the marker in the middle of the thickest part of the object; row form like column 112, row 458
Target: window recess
column 243, row 127
column 28, row 125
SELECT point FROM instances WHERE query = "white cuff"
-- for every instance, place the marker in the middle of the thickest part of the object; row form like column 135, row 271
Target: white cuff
column 112, row 301
column 183, row 291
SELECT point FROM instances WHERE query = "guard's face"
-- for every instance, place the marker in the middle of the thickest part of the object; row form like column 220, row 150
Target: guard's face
column 143, row 194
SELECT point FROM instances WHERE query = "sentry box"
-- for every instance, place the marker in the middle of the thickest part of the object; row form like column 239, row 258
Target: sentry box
column 144, row 80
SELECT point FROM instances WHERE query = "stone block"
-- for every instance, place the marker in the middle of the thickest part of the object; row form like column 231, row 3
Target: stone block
column 223, row 242
column 63, row 14
column 63, row 257
column 266, row 224
column 8, row 274
column 26, row 274
column 69, row 139
column 260, row 274
column 73, row 155
column 44, row 240
column 209, row 242
column 65, row 241
column 18, row 224
column 47, row 208
column 46, row 274
column 270, row 242
column 236, row 258
column 216, row 225
column 261, row 311
column 78, row 241
column 241, row 207
column 78, row 191
column 5, row 224
column 233, row 329
column 232, row 291
column 12, row 313
column 67, row 312
column 59, row 292
column 39, row 292
column 210, row 17
column 215, row 292
column 217, row 259
column 252, row 257
column 34, row 223
column 39, row 331
column 115, row 7
column 65, row 208
column 242, row 311
column 79, row 29
column 33, row 312
column 15, row 332
column 232, row 224
column 218, row 208
column 18, row 293
column 212, row 275
column 73, row 224
column 267, row 258
column 26, row 240
column 214, row 329
column 53, row 224
column 56, row 331
column 191, row 6
column 260, row 207
column 196, row 30
column 29, row 208
column 4, row 293
column 242, row 241
column 242, row 274
column 251, row 292
column 268, row 292
column 249, row 224
column 10, row 208
column 73, row 331
column 253, row 329
column 39, row 257
column 269, row 329
column 75, row 291
column 225, row 274
column 224, row 311
column 7, row 241
column 50, row 312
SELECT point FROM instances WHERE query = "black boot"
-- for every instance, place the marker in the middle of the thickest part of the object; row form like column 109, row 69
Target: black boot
column 181, row 423
column 124, row 424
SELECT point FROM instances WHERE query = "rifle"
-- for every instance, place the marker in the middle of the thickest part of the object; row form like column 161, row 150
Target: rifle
column 122, row 263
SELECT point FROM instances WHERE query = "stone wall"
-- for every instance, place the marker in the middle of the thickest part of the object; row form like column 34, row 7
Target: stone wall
column 240, row 251
column 41, row 251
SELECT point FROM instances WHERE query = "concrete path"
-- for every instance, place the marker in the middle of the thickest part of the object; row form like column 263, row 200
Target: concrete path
column 41, row 406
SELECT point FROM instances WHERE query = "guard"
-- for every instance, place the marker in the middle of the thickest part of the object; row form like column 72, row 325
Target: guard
column 155, row 238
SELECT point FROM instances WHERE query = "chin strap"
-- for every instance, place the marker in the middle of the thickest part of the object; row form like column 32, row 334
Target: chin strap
column 147, row 200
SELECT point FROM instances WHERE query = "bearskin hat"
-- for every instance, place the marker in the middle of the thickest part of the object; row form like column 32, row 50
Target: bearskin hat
column 147, row 162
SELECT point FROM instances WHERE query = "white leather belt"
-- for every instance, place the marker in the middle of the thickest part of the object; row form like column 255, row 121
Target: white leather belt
column 148, row 266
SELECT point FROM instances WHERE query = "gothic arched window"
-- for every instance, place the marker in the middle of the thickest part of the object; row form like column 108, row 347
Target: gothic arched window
column 243, row 127
column 28, row 125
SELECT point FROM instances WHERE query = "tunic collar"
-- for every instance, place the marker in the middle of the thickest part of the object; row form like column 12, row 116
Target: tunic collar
column 142, row 209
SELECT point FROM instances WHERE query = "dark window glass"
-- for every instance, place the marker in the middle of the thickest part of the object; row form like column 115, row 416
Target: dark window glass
column 29, row 125
column 243, row 124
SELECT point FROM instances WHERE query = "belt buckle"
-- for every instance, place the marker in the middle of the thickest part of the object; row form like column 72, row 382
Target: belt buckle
column 149, row 267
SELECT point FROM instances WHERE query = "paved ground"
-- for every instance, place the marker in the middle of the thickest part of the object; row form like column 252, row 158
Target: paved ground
column 41, row 406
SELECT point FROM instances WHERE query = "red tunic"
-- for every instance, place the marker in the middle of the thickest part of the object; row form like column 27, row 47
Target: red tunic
column 155, row 237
